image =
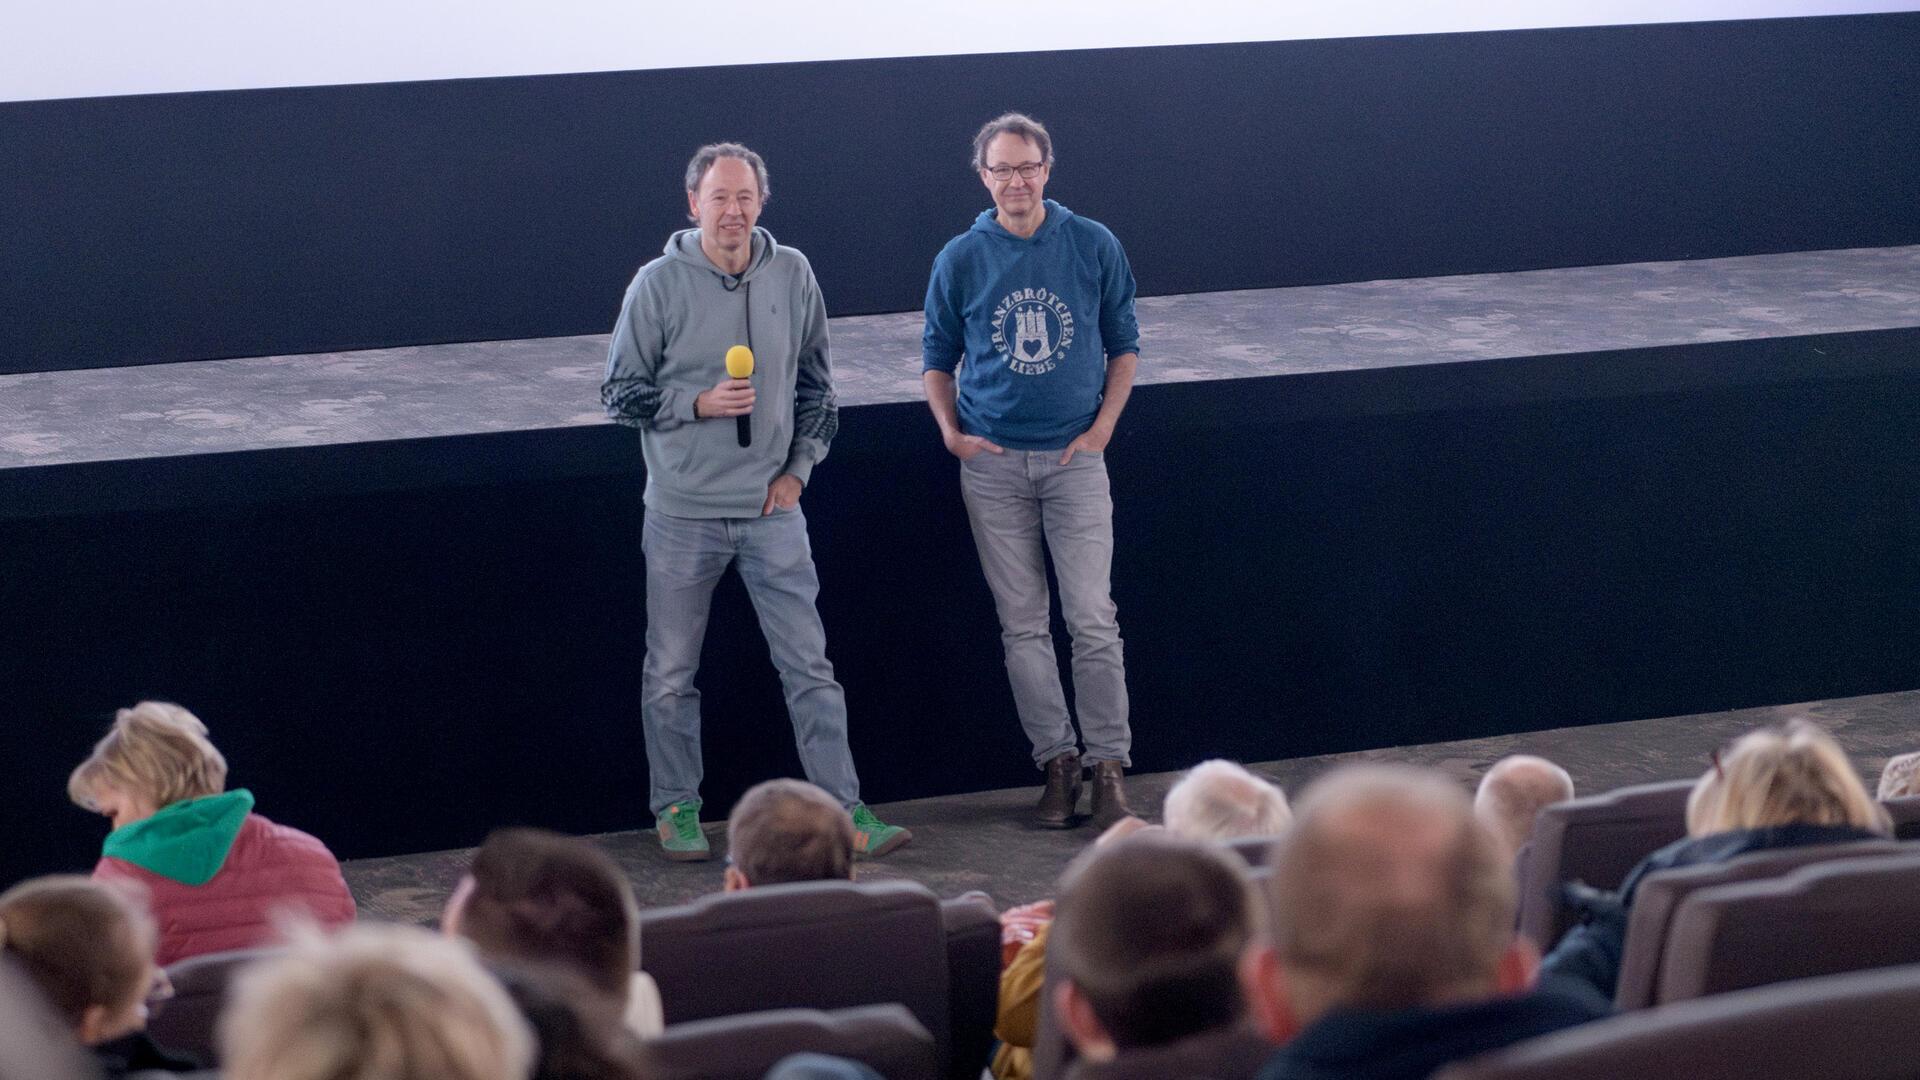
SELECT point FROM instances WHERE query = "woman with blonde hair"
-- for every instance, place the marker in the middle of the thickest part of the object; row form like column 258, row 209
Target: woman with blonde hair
column 88, row 948
column 1784, row 787
column 217, row 873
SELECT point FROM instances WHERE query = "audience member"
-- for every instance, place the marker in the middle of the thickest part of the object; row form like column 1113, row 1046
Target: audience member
column 1777, row 788
column 88, row 947
column 1147, row 944
column 1900, row 779
column 215, row 872
column 784, row 831
column 373, row 1003
column 1220, row 800
column 537, row 897
column 819, row 1067
column 34, row 1042
column 1215, row 800
column 1393, row 944
column 578, row 1033
column 1513, row 793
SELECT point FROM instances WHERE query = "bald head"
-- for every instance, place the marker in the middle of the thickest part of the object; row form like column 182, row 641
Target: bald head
column 1219, row 800
column 1513, row 792
column 1388, row 893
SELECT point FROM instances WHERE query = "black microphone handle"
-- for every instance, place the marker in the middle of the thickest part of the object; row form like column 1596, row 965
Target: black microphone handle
column 743, row 427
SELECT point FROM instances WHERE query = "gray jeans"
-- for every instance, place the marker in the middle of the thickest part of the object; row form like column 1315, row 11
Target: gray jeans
column 1014, row 501
column 685, row 558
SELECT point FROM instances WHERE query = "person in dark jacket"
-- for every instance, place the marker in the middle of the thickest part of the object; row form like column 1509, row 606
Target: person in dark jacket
column 1778, row 788
column 1393, row 949
column 88, row 948
column 216, row 873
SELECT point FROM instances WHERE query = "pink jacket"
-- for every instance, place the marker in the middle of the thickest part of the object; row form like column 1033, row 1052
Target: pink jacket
column 270, row 868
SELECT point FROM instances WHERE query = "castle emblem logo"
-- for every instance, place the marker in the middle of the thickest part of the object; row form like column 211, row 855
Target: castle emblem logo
column 1032, row 328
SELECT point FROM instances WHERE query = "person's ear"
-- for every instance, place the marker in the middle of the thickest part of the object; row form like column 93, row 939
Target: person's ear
column 1263, row 981
column 1519, row 966
column 456, row 910
column 93, row 1025
column 735, row 880
column 1077, row 1021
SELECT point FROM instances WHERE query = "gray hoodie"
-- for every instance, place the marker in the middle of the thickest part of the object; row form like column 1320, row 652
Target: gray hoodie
column 680, row 316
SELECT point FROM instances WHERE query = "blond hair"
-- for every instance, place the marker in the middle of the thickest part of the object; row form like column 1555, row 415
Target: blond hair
column 1221, row 800
column 82, row 942
column 373, row 1003
column 155, row 749
column 1791, row 775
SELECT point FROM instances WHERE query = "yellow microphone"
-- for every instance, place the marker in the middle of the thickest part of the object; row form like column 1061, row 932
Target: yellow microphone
column 740, row 366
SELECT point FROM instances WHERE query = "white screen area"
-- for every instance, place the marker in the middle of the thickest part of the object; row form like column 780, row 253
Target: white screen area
column 93, row 48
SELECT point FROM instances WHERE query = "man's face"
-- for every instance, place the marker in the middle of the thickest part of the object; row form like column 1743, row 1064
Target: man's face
column 1016, row 195
column 726, row 205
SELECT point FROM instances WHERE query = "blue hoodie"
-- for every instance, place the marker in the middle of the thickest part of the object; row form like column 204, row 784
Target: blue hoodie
column 1036, row 319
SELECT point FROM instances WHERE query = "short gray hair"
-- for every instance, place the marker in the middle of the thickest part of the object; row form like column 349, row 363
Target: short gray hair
column 704, row 158
column 1220, row 800
column 1388, row 893
column 1012, row 123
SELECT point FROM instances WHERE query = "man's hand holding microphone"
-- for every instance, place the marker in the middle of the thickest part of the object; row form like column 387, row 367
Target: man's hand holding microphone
column 733, row 396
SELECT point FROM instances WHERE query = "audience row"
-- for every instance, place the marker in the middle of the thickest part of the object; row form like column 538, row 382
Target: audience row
column 1368, row 931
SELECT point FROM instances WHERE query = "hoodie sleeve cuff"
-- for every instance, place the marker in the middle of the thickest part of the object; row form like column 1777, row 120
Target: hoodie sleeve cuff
column 801, row 459
column 676, row 403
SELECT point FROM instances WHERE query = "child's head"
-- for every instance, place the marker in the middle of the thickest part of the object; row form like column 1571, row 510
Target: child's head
column 87, row 946
column 155, row 755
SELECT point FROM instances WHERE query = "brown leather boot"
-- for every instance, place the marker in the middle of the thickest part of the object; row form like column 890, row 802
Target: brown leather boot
column 1061, row 800
column 1109, row 794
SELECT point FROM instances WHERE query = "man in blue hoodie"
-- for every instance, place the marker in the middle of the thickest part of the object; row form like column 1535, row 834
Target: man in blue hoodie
column 1033, row 306
column 727, row 459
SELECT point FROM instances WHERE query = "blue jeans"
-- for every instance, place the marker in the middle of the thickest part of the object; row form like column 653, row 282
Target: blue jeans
column 1015, row 501
column 685, row 558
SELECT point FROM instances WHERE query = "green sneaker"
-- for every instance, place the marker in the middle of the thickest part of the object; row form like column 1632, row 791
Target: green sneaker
column 873, row 837
column 680, row 835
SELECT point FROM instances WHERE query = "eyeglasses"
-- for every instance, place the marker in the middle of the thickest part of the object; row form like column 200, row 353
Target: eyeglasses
column 1027, row 170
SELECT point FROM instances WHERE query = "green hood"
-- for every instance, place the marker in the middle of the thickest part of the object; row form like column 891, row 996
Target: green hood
column 187, row 841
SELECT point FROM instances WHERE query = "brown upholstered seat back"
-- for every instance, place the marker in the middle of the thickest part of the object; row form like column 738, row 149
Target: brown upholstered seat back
column 1596, row 840
column 886, row 1038
column 815, row 945
column 184, row 1023
column 1834, row 916
column 1905, row 814
column 1659, row 896
column 1841, row 1026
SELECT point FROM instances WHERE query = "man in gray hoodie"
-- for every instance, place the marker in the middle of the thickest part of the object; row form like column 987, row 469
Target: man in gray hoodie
column 727, row 459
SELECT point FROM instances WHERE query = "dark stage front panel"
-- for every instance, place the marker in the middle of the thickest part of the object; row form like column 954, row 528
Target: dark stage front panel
column 400, row 645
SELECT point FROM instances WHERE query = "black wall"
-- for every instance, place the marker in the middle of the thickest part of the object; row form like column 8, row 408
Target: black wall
column 192, row 226
column 402, row 645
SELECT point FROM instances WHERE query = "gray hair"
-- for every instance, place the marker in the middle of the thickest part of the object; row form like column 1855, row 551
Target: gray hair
column 1513, row 793
column 1901, row 777
column 1219, row 800
column 704, row 158
column 1012, row 123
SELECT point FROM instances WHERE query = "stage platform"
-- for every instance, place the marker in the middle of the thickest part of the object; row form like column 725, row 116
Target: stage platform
column 983, row 841
column 403, row 586
column 304, row 402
